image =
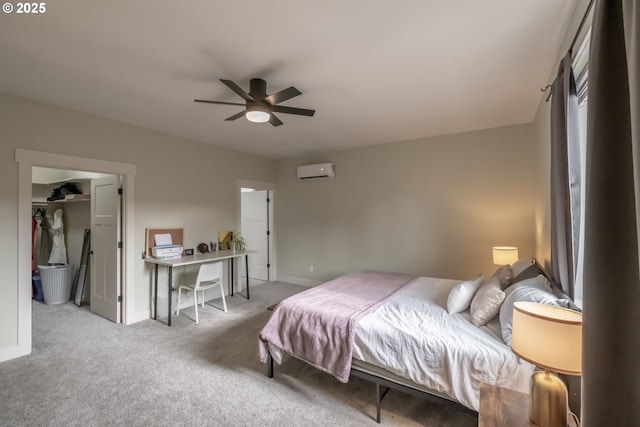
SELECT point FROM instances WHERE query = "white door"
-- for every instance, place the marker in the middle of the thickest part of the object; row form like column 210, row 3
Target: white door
column 105, row 236
column 255, row 230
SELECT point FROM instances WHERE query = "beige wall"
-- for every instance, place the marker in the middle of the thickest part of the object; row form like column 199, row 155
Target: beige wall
column 179, row 183
column 542, row 135
column 429, row 207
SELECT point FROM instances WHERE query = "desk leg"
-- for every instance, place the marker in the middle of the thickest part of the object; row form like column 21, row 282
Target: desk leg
column 170, row 294
column 155, row 295
column 231, row 275
column 246, row 264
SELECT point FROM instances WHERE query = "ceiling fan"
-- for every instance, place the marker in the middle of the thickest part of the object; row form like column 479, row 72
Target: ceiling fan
column 259, row 107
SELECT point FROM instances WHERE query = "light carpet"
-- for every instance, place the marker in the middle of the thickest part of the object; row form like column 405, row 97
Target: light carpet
column 87, row 371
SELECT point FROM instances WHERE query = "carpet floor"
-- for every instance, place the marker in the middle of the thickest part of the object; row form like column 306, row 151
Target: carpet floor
column 87, row 371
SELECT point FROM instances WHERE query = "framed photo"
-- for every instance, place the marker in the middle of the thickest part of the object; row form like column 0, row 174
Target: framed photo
column 224, row 240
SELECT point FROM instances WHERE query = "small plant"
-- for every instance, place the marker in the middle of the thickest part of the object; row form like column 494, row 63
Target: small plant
column 238, row 242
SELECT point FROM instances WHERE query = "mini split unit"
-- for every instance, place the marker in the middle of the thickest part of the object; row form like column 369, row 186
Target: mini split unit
column 320, row 170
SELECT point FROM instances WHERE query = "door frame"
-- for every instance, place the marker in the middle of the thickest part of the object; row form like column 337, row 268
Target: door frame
column 26, row 160
column 271, row 187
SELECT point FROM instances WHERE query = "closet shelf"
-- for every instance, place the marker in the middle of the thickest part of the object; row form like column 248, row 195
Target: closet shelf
column 65, row 181
column 58, row 202
column 67, row 201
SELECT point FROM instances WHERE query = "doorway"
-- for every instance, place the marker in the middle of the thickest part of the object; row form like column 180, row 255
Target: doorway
column 26, row 160
column 256, row 226
column 89, row 220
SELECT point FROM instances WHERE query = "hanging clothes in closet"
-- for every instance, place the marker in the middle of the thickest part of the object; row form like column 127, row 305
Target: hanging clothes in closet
column 58, row 250
column 34, row 226
column 43, row 243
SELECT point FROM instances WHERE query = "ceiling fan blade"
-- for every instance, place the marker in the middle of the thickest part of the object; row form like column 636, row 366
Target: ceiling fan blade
column 236, row 116
column 274, row 120
column 218, row 102
column 237, row 89
column 283, row 95
column 293, row 110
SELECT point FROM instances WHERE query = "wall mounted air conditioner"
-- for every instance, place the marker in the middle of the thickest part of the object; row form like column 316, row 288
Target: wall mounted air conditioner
column 320, row 170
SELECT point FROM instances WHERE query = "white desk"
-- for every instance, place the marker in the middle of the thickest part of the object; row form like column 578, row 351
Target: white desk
column 194, row 260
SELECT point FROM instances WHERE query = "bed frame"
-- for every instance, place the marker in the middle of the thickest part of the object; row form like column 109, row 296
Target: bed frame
column 384, row 384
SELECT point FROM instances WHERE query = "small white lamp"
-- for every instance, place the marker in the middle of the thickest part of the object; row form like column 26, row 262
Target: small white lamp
column 551, row 338
column 503, row 255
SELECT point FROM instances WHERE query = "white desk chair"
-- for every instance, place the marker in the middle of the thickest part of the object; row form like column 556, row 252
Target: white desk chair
column 209, row 276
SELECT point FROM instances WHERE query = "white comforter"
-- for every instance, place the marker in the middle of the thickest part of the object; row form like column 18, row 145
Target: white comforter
column 413, row 336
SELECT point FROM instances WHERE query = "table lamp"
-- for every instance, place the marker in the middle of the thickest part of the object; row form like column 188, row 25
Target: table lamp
column 503, row 255
column 551, row 338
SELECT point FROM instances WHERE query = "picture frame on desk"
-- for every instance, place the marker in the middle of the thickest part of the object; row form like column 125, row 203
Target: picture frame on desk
column 224, row 240
column 188, row 252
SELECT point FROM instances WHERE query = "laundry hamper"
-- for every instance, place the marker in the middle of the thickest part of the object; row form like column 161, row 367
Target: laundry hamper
column 56, row 282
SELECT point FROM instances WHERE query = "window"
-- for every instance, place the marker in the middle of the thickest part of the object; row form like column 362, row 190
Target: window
column 581, row 73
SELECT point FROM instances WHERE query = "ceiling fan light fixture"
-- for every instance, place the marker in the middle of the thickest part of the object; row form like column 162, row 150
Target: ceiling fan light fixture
column 257, row 114
column 259, row 106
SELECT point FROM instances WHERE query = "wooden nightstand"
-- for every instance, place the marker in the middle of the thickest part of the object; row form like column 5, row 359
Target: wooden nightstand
column 501, row 407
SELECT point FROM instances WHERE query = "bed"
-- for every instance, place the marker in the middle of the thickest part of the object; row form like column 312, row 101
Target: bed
column 414, row 334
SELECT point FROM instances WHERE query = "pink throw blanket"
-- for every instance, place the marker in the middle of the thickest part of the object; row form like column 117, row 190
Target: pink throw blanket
column 318, row 325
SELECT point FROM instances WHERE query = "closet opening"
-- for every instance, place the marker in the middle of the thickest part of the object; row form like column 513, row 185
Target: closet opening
column 26, row 159
column 76, row 224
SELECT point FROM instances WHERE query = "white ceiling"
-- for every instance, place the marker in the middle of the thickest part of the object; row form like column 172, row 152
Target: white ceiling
column 375, row 71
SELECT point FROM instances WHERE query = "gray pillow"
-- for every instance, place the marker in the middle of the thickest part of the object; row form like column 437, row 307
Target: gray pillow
column 539, row 281
column 504, row 276
column 535, row 289
column 530, row 271
column 486, row 303
column 520, row 265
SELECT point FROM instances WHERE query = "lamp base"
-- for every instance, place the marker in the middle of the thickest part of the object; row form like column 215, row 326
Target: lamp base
column 549, row 403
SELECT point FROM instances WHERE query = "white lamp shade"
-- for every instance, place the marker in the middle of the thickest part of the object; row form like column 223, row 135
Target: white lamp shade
column 548, row 336
column 503, row 255
column 257, row 116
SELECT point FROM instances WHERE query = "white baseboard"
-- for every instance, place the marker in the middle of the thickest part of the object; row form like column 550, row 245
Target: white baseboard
column 13, row 352
column 139, row 317
column 299, row 281
column 252, row 282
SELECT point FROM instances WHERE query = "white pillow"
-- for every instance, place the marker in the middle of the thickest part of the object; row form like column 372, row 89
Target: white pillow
column 536, row 289
column 461, row 295
column 487, row 301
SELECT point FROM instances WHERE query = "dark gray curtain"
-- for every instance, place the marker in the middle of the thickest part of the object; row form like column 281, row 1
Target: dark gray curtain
column 565, row 177
column 611, row 322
